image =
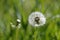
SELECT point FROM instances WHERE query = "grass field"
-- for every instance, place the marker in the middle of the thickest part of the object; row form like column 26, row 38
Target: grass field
column 11, row 10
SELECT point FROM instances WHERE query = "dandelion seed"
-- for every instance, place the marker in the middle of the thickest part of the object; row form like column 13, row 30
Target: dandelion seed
column 36, row 19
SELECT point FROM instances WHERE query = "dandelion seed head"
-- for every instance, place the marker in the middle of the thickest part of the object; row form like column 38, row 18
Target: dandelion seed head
column 36, row 19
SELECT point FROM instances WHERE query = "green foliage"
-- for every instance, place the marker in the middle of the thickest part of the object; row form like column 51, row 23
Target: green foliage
column 11, row 10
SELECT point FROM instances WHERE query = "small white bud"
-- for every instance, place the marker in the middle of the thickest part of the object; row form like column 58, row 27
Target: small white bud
column 19, row 26
column 18, row 20
column 12, row 25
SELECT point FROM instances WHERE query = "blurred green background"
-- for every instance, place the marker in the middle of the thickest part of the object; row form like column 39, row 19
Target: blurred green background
column 11, row 10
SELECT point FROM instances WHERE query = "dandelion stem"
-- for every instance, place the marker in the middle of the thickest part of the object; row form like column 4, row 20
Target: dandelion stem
column 35, row 33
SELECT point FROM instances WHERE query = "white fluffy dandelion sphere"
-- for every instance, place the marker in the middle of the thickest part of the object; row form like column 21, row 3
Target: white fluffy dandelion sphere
column 36, row 19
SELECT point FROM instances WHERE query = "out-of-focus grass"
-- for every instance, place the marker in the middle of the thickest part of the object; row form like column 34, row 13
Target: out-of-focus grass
column 10, row 10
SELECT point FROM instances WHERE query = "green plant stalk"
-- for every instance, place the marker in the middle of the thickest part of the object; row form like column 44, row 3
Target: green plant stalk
column 35, row 33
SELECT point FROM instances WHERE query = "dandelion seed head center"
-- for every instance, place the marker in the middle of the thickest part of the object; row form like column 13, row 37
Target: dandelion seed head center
column 37, row 20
